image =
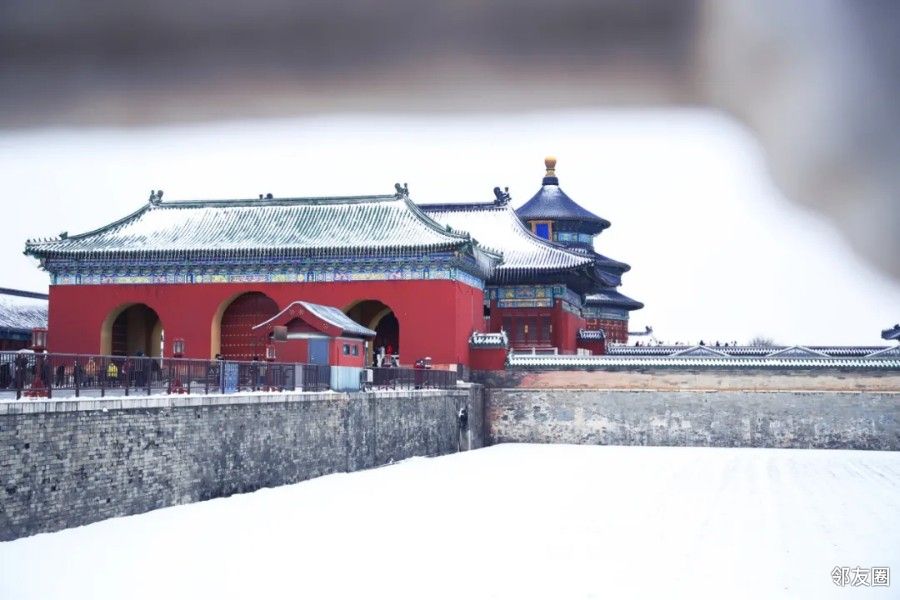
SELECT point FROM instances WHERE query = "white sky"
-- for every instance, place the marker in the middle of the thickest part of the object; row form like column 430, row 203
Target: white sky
column 716, row 251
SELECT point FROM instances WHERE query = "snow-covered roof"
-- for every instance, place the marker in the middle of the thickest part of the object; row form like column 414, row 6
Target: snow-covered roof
column 22, row 310
column 536, row 361
column 591, row 334
column 340, row 226
column 329, row 314
column 491, row 340
column 748, row 351
column 695, row 351
column 496, row 226
column 337, row 318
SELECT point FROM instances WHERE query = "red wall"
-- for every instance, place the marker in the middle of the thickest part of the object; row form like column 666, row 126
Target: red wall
column 436, row 317
column 596, row 347
column 338, row 358
column 565, row 324
column 488, row 359
column 565, row 329
column 616, row 331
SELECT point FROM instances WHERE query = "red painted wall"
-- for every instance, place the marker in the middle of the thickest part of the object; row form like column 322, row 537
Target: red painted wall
column 337, row 357
column 616, row 331
column 596, row 347
column 488, row 359
column 292, row 351
column 436, row 317
column 565, row 329
column 565, row 325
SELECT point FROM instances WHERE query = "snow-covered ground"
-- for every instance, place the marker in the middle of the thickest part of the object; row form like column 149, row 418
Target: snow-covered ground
column 511, row 521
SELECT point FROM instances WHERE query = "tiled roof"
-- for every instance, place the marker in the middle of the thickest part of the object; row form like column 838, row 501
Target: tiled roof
column 337, row 318
column 558, row 362
column 750, row 351
column 346, row 226
column 22, row 310
column 329, row 314
column 591, row 334
column 496, row 226
column 489, row 340
column 610, row 297
column 552, row 203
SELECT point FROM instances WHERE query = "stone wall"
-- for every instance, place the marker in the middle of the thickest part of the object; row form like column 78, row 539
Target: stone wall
column 797, row 419
column 697, row 379
column 67, row 463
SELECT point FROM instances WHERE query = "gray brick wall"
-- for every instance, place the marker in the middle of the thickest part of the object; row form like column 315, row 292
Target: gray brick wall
column 857, row 420
column 69, row 463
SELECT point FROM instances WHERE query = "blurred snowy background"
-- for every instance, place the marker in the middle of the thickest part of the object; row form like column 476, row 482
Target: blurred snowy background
column 717, row 252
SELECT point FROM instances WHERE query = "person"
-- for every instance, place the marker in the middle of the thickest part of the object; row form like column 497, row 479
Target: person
column 214, row 374
column 139, row 369
column 379, row 356
column 465, row 435
column 90, row 372
column 5, row 375
column 112, row 373
column 254, row 373
column 21, row 365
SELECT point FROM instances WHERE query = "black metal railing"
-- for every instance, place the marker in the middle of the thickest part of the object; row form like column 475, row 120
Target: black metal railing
column 43, row 375
column 402, row 378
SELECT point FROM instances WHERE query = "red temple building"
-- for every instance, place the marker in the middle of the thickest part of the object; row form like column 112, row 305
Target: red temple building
column 424, row 278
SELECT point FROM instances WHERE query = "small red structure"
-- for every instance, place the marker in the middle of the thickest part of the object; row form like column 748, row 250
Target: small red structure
column 316, row 334
column 593, row 340
column 489, row 351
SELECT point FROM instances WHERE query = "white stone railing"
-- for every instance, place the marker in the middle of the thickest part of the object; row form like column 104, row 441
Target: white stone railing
column 495, row 340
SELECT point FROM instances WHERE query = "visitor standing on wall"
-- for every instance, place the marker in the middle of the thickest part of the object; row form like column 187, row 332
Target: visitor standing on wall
column 112, row 373
column 465, row 436
column 90, row 372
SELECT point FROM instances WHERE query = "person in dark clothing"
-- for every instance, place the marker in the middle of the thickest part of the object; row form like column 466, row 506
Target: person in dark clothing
column 21, row 365
column 5, row 375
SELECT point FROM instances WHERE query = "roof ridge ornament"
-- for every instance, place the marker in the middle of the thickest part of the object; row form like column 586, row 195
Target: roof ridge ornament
column 550, row 176
column 502, row 197
column 156, row 197
column 402, row 191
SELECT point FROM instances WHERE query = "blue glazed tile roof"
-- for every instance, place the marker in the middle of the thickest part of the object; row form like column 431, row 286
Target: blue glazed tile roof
column 554, row 204
column 611, row 297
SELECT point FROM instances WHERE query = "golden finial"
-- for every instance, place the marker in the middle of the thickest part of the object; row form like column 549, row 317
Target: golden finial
column 550, row 163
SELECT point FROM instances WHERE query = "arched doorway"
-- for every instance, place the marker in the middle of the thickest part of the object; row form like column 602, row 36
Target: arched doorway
column 131, row 330
column 237, row 340
column 378, row 316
